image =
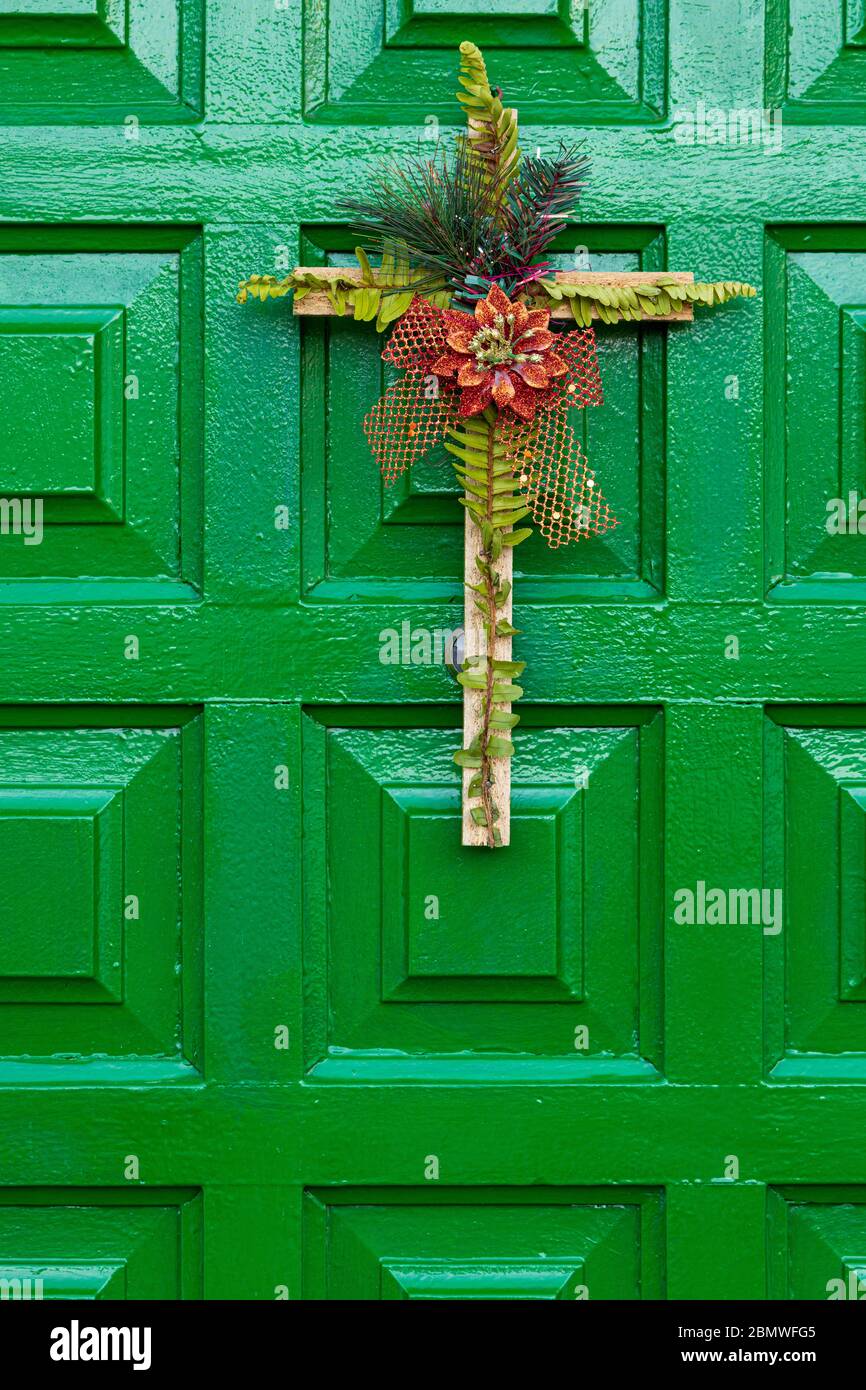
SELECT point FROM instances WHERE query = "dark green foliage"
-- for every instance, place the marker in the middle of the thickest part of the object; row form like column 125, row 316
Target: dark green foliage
column 438, row 212
column 545, row 192
column 465, row 220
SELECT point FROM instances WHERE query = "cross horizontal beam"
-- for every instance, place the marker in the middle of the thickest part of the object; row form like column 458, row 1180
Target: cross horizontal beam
column 317, row 305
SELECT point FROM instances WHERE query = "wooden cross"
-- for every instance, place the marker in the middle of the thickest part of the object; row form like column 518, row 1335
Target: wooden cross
column 316, row 304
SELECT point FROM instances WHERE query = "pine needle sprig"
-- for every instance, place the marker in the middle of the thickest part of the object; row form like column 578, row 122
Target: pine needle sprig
column 438, row 212
column 456, row 225
column 539, row 200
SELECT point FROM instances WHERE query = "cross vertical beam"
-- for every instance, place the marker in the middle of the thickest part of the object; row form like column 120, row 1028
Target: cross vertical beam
column 475, row 644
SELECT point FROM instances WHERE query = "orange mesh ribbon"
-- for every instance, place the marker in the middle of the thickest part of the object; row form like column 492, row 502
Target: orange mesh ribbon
column 554, row 477
column 557, row 483
column 414, row 413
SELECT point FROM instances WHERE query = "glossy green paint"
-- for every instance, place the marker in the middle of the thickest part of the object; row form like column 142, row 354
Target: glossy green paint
column 551, row 1068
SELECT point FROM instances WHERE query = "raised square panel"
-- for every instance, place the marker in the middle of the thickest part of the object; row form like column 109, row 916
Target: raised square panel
column 817, row 1243
column 363, row 539
column 77, row 360
column 564, row 1243
column 540, row 22
column 816, row 849
column 855, row 23
column 80, row 1243
column 371, row 62
column 483, row 1279
column 87, row 61
column 100, row 348
column 815, row 60
column 423, row 953
column 69, row 1279
column 100, row 927
column 62, row 904
column 815, row 287
column 411, row 959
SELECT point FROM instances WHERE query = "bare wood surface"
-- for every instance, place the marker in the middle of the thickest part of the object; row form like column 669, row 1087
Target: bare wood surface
column 475, row 645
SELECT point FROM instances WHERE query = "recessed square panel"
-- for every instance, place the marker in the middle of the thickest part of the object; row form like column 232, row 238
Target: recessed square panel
column 561, row 1244
column 362, row 538
column 100, row 60
column 816, row 818
column 100, row 346
column 100, row 911
column 816, row 60
column 816, row 413
column 88, row 1244
column 381, row 63
column 420, row 949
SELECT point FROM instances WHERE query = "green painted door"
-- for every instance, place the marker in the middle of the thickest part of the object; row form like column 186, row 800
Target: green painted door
column 266, row 1029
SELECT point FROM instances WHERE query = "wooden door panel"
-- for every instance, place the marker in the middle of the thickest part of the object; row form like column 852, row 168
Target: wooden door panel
column 362, row 538
column 80, row 1244
column 816, row 412
column 109, row 324
column 816, row 801
column 401, row 955
column 322, row 991
column 100, row 926
column 595, row 64
column 375, row 1245
column 816, row 65
column 101, row 60
column 818, row 1242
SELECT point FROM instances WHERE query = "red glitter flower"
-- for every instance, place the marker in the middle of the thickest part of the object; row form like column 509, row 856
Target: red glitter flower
column 502, row 354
